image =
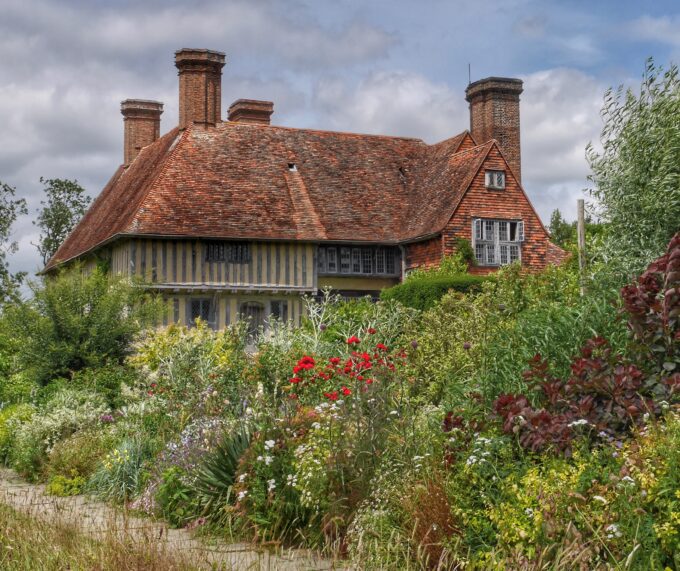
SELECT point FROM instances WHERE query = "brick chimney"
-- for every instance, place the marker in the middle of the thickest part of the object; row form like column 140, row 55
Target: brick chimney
column 142, row 125
column 200, row 86
column 494, row 114
column 251, row 111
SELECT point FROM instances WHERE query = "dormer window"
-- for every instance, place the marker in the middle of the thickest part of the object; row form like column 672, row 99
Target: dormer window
column 495, row 180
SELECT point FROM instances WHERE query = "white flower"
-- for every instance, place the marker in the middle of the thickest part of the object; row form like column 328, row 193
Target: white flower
column 316, row 425
column 259, row 458
column 271, row 484
column 529, row 512
column 579, row 422
column 268, row 460
column 269, row 444
column 600, row 499
column 645, row 417
column 242, row 495
column 394, row 412
column 242, row 477
column 627, row 480
column 613, row 531
column 471, row 460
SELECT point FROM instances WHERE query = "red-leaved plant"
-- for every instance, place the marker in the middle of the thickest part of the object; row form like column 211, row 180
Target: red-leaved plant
column 606, row 393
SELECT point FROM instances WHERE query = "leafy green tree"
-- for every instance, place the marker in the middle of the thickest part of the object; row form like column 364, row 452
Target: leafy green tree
column 636, row 176
column 10, row 209
column 64, row 206
column 77, row 321
column 562, row 232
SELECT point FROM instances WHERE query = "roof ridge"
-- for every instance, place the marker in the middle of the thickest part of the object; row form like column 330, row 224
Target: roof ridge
column 324, row 131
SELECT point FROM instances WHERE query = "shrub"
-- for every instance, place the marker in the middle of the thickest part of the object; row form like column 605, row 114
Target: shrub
column 63, row 486
column 194, row 371
column 11, row 417
column 78, row 455
column 606, row 392
column 425, row 291
column 77, row 320
column 65, row 413
column 175, row 500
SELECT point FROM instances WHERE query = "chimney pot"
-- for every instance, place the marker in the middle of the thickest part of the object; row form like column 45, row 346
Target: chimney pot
column 494, row 114
column 200, row 86
column 142, row 125
column 251, row 111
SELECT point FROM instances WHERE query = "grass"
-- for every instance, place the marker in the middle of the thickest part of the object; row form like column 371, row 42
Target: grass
column 32, row 544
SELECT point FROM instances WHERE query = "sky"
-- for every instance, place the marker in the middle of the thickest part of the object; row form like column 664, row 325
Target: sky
column 392, row 67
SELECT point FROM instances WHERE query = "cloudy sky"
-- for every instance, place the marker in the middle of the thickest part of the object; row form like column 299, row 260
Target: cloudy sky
column 396, row 67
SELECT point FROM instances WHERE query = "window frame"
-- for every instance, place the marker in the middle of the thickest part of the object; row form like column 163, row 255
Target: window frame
column 491, row 179
column 489, row 249
column 230, row 252
column 373, row 261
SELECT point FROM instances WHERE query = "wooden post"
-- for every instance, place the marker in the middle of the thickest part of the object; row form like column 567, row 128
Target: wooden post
column 581, row 237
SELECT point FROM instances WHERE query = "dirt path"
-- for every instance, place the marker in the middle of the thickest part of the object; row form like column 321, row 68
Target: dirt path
column 94, row 518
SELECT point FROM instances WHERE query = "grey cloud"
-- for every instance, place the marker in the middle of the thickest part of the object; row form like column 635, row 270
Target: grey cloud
column 660, row 29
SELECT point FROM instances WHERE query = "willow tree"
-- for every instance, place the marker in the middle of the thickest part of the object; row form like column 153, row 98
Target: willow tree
column 636, row 174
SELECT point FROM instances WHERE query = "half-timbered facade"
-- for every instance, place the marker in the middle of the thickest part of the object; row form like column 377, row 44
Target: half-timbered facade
column 243, row 218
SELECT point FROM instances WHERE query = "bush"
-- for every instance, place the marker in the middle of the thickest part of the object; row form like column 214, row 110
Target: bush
column 78, row 455
column 11, row 417
column 425, row 291
column 63, row 486
column 76, row 321
column 64, row 414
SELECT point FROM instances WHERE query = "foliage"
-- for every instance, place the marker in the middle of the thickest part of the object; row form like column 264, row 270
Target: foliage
column 10, row 210
column 64, row 206
column 63, row 486
column 423, row 292
column 175, row 499
column 78, row 320
column 216, row 475
column 193, row 371
column 607, row 393
column 636, row 177
column 78, row 455
column 11, row 417
column 120, row 474
column 61, row 416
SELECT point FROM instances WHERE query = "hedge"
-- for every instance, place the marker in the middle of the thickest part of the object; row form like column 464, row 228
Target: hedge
column 423, row 292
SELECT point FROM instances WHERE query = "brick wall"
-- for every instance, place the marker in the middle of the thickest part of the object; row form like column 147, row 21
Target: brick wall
column 424, row 254
column 510, row 203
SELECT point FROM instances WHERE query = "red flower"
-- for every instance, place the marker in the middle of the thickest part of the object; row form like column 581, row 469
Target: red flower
column 346, row 391
column 371, row 331
column 305, row 363
column 153, row 385
column 369, row 381
column 295, row 380
column 331, row 396
column 335, row 360
column 353, row 340
column 381, row 346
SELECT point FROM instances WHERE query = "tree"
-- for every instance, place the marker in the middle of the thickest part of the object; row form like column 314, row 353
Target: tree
column 562, row 232
column 10, row 209
column 77, row 320
column 636, row 176
column 65, row 205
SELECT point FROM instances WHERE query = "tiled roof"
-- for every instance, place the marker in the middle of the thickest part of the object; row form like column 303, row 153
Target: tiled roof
column 247, row 181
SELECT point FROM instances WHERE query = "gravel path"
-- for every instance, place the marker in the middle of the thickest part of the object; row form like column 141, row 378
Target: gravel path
column 94, row 518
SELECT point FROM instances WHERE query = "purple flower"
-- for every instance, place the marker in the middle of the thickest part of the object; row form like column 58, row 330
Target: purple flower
column 414, row 344
column 106, row 418
column 323, row 327
column 467, row 346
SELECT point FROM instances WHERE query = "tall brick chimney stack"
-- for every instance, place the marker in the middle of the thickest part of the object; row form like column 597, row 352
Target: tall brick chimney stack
column 200, row 86
column 494, row 114
column 142, row 125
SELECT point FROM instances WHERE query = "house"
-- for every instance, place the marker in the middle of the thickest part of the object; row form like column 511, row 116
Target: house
column 243, row 218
